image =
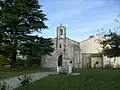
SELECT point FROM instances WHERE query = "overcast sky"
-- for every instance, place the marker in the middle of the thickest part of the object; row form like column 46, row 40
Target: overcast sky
column 81, row 17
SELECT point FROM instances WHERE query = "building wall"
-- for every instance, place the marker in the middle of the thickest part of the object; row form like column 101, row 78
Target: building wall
column 92, row 46
column 72, row 53
column 73, row 50
column 88, row 48
column 96, row 59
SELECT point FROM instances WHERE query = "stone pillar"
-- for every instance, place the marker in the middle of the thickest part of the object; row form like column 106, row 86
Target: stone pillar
column 58, row 69
column 70, row 67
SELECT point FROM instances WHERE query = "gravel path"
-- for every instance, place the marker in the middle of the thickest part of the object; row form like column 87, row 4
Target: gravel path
column 14, row 82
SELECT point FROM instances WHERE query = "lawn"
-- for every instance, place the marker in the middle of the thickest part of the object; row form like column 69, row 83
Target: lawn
column 90, row 79
column 9, row 72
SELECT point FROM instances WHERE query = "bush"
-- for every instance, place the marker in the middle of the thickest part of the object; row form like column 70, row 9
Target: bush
column 28, row 62
column 25, row 81
column 3, row 60
column 4, row 86
column 20, row 62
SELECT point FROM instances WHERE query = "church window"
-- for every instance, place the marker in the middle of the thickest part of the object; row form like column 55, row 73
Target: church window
column 64, row 46
column 60, row 46
column 70, row 61
column 64, row 50
column 61, row 32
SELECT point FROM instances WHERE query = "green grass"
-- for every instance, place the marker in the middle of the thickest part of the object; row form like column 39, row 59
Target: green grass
column 90, row 79
column 10, row 72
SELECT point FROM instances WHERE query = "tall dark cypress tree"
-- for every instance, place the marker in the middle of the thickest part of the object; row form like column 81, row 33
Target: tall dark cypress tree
column 18, row 19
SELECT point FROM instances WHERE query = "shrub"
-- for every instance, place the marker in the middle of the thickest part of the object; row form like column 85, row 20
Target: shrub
column 4, row 86
column 20, row 62
column 24, row 81
column 3, row 60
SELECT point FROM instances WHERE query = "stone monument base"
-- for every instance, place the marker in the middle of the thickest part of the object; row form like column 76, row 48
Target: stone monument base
column 66, row 67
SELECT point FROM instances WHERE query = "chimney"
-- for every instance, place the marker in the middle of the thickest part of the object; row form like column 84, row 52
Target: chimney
column 91, row 36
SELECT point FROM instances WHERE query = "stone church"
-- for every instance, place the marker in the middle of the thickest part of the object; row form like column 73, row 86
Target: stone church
column 82, row 54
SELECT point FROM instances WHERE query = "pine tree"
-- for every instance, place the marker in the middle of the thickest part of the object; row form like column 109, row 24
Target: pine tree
column 35, row 47
column 18, row 19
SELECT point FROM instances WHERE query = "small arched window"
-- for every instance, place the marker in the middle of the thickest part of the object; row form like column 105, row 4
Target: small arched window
column 61, row 32
column 60, row 46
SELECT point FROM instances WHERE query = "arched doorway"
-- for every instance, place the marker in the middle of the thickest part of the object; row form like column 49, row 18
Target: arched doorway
column 60, row 60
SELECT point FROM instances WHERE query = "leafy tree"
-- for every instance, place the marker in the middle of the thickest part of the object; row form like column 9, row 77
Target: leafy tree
column 111, row 45
column 18, row 19
column 110, row 41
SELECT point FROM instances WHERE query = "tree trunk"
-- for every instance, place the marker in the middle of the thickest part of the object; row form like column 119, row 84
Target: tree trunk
column 13, row 58
column 40, row 61
column 14, row 55
column 102, row 61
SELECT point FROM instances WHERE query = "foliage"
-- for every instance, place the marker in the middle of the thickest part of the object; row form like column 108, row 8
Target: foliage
column 18, row 19
column 111, row 45
column 20, row 62
column 4, row 86
column 7, row 50
column 35, row 48
column 25, row 80
column 3, row 60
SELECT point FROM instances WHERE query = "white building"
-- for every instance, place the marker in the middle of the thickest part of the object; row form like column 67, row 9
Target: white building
column 86, row 53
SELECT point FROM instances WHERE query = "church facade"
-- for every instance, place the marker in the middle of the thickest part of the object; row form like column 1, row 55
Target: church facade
column 82, row 54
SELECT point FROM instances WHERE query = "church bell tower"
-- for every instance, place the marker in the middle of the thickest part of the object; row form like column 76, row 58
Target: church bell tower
column 60, row 40
column 61, row 32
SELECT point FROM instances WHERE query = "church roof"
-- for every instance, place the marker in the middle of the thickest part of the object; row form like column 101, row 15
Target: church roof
column 89, row 38
column 73, row 40
column 69, row 39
